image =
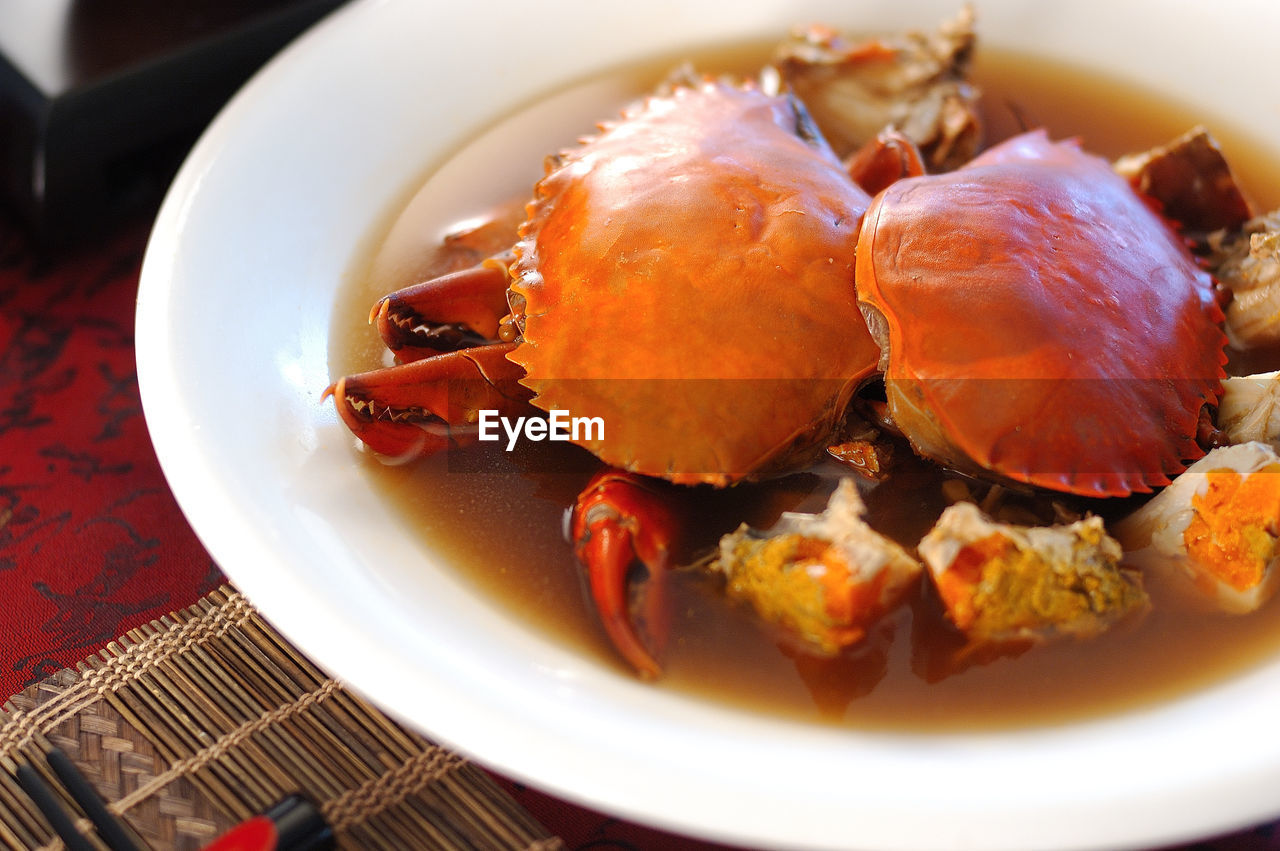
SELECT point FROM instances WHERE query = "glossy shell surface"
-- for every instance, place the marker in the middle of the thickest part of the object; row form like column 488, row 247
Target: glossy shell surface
column 1041, row 322
column 687, row 276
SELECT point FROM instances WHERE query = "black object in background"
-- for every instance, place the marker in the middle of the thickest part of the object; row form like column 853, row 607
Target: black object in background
column 101, row 99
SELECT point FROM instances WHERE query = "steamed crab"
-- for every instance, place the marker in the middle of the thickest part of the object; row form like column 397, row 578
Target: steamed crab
column 768, row 277
column 716, row 249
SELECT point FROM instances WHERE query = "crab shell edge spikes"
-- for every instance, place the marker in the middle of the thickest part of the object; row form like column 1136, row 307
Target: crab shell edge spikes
column 687, row 277
column 1042, row 324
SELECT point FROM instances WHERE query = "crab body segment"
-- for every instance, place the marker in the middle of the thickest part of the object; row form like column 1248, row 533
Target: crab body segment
column 687, row 276
column 1040, row 323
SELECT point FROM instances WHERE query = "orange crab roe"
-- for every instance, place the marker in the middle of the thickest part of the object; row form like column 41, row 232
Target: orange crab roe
column 1235, row 525
column 957, row 584
column 808, row 586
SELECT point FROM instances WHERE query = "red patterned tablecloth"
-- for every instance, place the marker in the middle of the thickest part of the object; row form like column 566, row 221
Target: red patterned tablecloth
column 91, row 540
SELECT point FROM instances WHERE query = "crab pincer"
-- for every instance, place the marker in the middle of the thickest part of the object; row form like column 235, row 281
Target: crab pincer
column 454, row 311
column 621, row 521
column 424, row 406
column 450, row 365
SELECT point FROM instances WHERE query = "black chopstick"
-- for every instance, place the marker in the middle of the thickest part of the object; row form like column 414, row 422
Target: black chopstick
column 44, row 799
column 110, row 829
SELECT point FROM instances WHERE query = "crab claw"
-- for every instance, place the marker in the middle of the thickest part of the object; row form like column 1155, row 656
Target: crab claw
column 414, row 409
column 455, row 311
column 620, row 521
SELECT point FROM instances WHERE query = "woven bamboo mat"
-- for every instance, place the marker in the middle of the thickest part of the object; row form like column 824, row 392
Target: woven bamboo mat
column 197, row 721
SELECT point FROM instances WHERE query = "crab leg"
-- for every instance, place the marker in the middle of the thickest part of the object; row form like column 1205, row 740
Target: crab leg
column 417, row 408
column 620, row 521
column 886, row 159
column 455, row 311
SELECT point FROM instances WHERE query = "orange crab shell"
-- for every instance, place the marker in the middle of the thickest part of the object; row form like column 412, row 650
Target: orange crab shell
column 687, row 277
column 1040, row 321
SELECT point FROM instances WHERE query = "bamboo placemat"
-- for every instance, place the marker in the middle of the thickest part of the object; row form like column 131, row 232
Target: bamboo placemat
column 197, row 721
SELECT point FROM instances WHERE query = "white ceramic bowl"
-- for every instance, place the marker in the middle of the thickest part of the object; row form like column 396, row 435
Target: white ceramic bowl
column 234, row 313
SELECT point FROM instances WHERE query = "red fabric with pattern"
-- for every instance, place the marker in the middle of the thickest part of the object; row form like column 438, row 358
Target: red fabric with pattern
column 91, row 541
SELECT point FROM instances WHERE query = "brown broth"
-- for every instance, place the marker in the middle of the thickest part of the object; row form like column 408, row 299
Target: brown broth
column 498, row 516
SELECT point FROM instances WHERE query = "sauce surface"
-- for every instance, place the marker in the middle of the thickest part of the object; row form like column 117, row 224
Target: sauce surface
column 498, row 516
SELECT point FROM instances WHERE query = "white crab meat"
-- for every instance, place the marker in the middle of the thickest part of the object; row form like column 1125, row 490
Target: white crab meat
column 1248, row 263
column 1217, row 525
column 1002, row 583
column 915, row 83
column 824, row 579
column 1250, row 408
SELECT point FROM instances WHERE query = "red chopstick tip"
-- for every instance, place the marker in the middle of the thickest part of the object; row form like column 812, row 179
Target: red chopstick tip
column 256, row 834
column 293, row 824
